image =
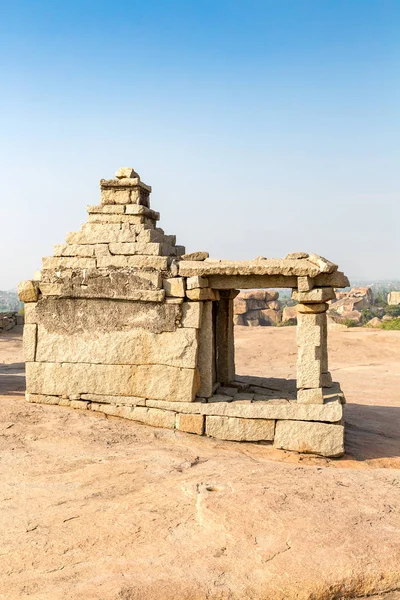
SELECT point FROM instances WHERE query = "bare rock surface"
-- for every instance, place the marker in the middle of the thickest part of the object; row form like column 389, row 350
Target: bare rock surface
column 98, row 507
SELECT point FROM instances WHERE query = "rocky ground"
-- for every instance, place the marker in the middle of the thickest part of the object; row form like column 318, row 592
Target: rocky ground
column 95, row 507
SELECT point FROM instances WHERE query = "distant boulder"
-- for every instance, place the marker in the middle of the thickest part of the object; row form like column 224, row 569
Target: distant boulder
column 393, row 298
column 375, row 322
column 289, row 313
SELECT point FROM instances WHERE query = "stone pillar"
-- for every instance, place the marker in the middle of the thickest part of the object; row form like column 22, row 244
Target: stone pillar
column 312, row 341
column 326, row 378
column 310, row 318
column 225, row 346
column 206, row 353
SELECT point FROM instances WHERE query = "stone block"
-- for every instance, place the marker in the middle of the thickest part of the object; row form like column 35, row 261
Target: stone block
column 79, row 250
column 147, row 236
column 202, row 294
column 190, row 423
column 28, row 291
column 126, row 173
column 101, row 250
column 309, row 329
column 312, row 308
column 174, row 286
column 159, row 263
column 196, row 282
column 241, row 430
column 138, row 209
column 324, row 265
column 309, row 367
column 60, row 262
column 29, row 342
column 102, row 233
column 106, row 209
column 121, row 284
column 115, row 196
column 40, row 399
column 159, row 382
column 195, row 256
column 126, row 412
column 305, row 284
column 317, row 295
column 337, row 279
column 81, row 404
column 30, row 313
column 154, row 417
column 107, row 409
column 316, row 438
column 136, row 346
column 65, row 315
column 191, row 314
column 126, row 248
column 136, row 220
column 64, row 402
column 310, row 396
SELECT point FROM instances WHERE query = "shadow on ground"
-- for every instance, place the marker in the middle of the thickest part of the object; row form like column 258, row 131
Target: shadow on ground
column 12, row 379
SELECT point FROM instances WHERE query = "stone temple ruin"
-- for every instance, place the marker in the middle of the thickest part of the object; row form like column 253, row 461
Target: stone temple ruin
column 120, row 320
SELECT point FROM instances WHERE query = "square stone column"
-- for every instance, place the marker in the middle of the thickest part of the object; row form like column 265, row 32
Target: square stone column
column 312, row 352
column 225, row 346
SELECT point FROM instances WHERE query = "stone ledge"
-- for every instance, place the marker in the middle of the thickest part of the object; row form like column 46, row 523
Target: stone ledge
column 124, row 183
column 64, row 291
column 325, row 439
column 331, row 412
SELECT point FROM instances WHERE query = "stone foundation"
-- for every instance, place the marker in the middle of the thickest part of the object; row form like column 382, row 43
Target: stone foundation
column 313, row 428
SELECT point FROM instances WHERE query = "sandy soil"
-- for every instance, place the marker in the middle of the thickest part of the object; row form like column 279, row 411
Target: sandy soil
column 99, row 508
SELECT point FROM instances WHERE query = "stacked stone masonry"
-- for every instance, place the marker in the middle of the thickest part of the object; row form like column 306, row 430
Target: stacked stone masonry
column 120, row 320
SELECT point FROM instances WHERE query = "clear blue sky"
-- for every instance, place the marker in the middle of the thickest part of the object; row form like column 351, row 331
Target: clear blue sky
column 264, row 127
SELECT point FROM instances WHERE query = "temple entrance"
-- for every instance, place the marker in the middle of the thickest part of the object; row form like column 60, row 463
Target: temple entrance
column 265, row 366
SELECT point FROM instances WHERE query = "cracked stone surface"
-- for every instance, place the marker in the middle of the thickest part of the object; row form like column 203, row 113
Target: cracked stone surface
column 95, row 507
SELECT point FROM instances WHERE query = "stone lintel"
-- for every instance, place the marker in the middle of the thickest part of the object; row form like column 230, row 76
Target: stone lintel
column 337, row 280
column 242, row 282
column 270, row 266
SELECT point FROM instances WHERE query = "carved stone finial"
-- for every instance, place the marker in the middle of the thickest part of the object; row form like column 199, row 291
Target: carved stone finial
column 126, row 173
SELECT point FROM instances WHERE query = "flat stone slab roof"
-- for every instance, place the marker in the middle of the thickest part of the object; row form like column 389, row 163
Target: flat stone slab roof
column 259, row 266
